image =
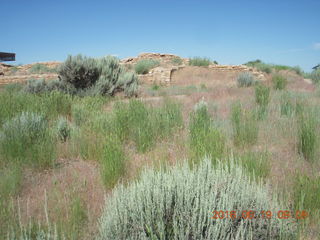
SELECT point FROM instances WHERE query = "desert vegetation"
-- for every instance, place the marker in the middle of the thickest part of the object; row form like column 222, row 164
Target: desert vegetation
column 81, row 157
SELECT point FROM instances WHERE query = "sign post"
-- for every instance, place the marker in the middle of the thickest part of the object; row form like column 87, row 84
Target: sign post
column 5, row 57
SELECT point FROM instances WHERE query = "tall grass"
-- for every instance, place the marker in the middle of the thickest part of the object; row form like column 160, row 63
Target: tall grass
column 307, row 134
column 26, row 139
column 279, row 82
column 262, row 96
column 306, row 192
column 205, row 138
column 256, row 164
column 245, row 126
column 287, row 107
column 112, row 161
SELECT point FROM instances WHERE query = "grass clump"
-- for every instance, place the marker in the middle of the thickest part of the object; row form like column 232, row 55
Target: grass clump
column 287, row 107
column 112, row 161
column 257, row 164
column 143, row 125
column 245, row 79
column 205, row 138
column 306, row 194
column 145, row 65
column 279, row 82
column 160, row 201
column 261, row 66
column 245, row 126
column 63, row 129
column 307, row 134
column 199, row 61
column 262, row 96
column 26, row 139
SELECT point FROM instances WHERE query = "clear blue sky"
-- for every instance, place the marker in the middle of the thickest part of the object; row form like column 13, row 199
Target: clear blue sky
column 231, row 32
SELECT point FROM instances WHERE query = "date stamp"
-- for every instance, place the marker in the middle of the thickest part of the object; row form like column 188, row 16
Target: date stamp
column 267, row 214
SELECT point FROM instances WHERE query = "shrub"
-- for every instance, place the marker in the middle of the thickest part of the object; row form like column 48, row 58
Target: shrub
column 245, row 79
column 26, row 139
column 63, row 129
column 176, row 61
column 279, row 82
column 198, row 61
column 79, row 71
column 58, row 85
column 306, row 194
column 315, row 76
column 112, row 161
column 261, row 66
column 245, row 126
column 205, row 139
column 179, row 203
column 145, row 65
column 307, row 134
column 35, row 86
column 128, row 82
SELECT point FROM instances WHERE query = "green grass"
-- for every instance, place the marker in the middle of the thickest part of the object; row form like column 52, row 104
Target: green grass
column 205, row 138
column 307, row 134
column 257, row 164
column 269, row 68
column 262, row 97
column 287, row 107
column 306, row 192
column 279, row 82
column 112, row 161
column 145, row 65
column 27, row 140
column 199, row 61
column 245, row 126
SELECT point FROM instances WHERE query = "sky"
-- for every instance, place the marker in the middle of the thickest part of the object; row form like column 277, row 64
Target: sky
column 230, row 32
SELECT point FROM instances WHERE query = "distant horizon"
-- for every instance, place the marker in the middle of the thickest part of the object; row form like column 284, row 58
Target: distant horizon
column 232, row 33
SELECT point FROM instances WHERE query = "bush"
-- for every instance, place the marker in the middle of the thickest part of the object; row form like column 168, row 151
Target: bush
column 63, row 129
column 176, row 61
column 145, row 65
column 245, row 79
column 198, row 61
column 79, row 71
column 104, row 76
column 26, row 139
column 315, row 76
column 178, row 203
column 307, row 134
column 279, row 82
column 35, row 86
column 58, row 85
column 245, row 126
column 205, row 139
